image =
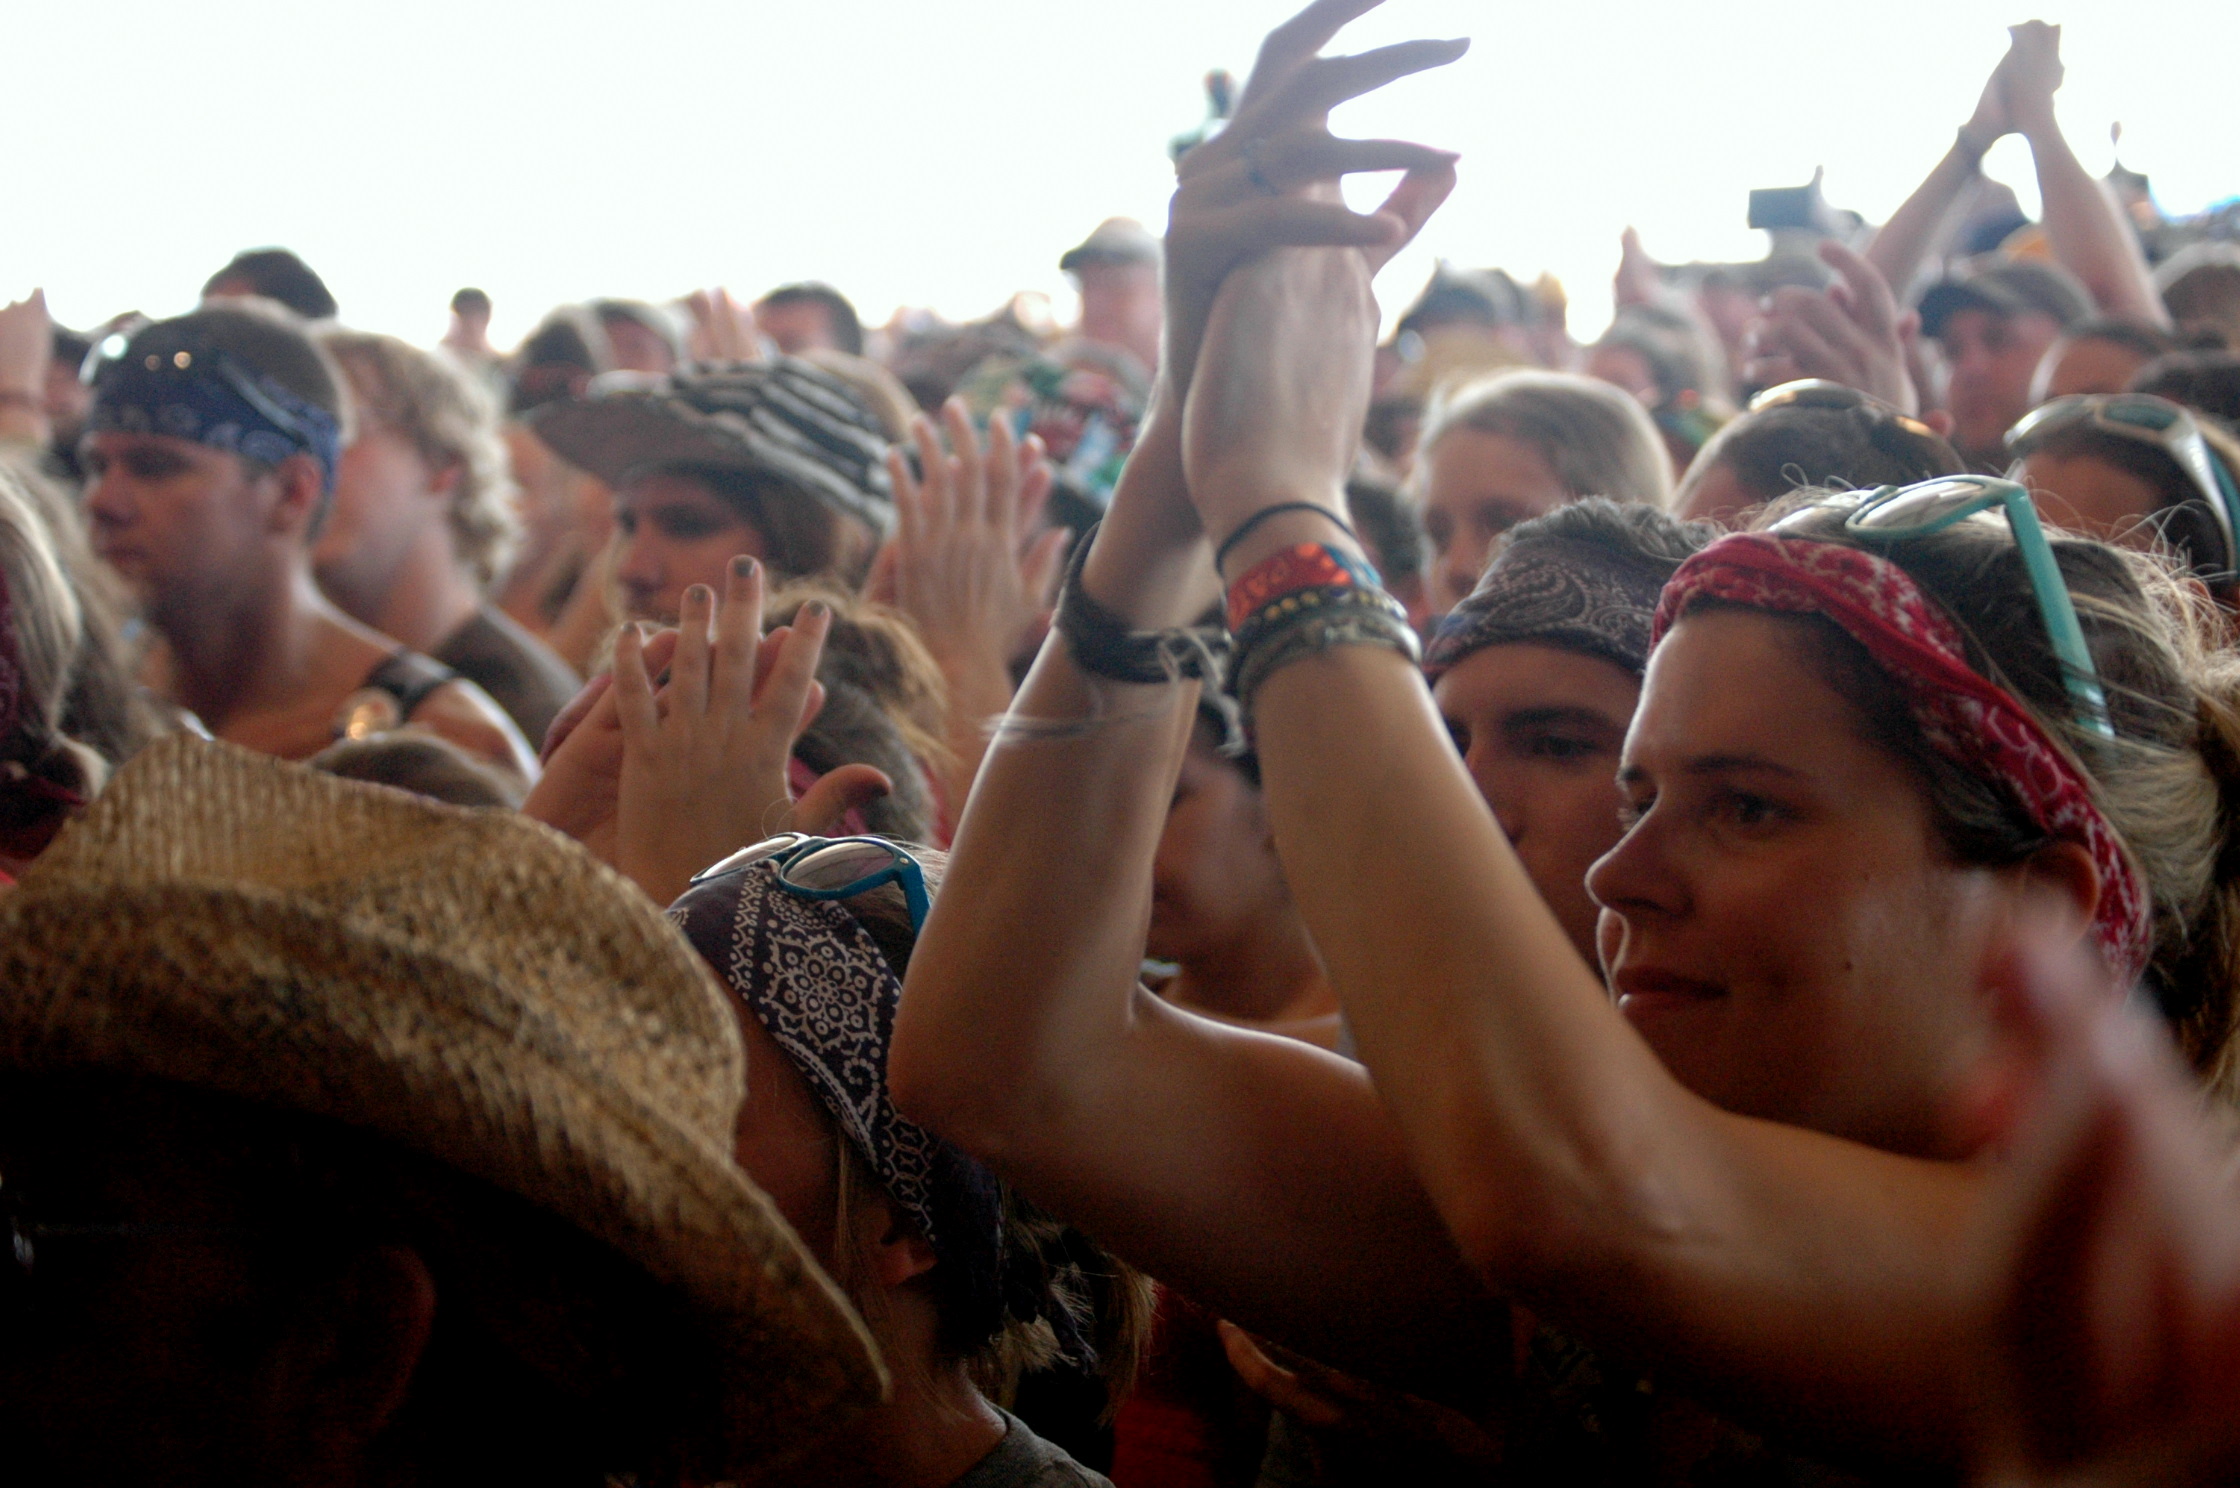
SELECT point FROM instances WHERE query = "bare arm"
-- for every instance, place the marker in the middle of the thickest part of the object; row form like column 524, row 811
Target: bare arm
column 2084, row 226
column 1791, row 1277
column 1258, row 1175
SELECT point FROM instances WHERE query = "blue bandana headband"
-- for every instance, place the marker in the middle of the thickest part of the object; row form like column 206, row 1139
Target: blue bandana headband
column 817, row 982
column 210, row 398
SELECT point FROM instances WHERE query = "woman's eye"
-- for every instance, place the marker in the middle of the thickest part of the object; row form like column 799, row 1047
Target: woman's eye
column 1747, row 810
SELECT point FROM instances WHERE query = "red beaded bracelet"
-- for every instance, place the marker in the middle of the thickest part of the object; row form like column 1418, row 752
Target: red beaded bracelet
column 1309, row 565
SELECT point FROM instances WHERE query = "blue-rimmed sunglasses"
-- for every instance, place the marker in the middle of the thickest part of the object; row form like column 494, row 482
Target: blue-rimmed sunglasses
column 1894, row 513
column 834, row 868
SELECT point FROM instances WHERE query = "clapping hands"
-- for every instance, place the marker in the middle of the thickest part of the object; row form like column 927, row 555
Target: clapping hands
column 662, row 781
column 1852, row 333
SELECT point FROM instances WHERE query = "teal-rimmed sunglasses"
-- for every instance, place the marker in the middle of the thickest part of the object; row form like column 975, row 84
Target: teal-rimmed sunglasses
column 1893, row 514
column 834, row 868
column 2144, row 419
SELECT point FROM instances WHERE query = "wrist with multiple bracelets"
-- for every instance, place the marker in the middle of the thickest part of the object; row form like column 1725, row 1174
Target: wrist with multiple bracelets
column 1299, row 601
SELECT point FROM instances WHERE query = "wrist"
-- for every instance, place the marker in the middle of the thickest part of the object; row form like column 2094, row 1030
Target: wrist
column 1973, row 141
column 1255, row 539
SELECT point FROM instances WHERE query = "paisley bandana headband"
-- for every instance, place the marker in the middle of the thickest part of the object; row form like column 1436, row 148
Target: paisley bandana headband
column 1551, row 592
column 819, row 985
column 212, row 399
column 1967, row 719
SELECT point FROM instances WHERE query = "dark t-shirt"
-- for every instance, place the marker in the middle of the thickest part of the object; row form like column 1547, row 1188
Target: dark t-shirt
column 1024, row 1460
column 520, row 672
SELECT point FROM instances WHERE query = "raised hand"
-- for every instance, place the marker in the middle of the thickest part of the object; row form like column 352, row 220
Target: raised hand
column 26, row 344
column 1283, row 377
column 704, row 761
column 582, row 759
column 969, row 569
column 1851, row 332
column 2029, row 76
column 1270, row 178
column 2110, row 1251
column 722, row 329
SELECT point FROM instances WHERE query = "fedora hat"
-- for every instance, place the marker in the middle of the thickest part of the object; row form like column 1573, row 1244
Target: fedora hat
column 465, row 984
column 785, row 418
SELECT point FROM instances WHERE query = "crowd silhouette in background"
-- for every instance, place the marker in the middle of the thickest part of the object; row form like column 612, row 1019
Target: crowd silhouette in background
column 1212, row 897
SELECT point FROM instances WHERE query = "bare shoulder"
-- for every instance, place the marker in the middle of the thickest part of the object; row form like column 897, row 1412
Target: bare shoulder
column 463, row 714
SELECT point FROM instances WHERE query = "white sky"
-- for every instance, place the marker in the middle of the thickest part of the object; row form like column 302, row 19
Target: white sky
column 921, row 153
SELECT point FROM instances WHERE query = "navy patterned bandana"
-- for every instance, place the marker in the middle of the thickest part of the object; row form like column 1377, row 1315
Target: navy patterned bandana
column 212, row 398
column 818, row 983
column 1555, row 592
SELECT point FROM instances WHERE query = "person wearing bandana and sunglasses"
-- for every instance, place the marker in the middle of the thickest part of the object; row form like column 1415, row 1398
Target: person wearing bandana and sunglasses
column 1865, row 753
column 964, row 1286
column 210, row 460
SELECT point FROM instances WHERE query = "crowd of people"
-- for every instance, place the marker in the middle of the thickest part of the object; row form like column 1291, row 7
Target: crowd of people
column 1213, row 898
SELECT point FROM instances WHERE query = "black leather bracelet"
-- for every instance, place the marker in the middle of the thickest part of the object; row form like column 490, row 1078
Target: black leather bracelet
column 1104, row 646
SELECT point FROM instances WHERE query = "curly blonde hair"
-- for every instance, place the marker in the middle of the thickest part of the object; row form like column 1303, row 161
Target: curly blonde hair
column 452, row 420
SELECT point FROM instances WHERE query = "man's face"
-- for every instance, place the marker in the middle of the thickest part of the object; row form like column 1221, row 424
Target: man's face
column 797, row 326
column 1993, row 357
column 384, row 496
column 184, row 524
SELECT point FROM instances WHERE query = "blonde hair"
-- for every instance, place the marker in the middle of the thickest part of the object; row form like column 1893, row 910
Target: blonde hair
column 452, row 420
column 1597, row 440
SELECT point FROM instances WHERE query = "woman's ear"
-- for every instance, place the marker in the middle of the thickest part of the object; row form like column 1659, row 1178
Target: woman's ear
column 893, row 1251
column 2062, row 878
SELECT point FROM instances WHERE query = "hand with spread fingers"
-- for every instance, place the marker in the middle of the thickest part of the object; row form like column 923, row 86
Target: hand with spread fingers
column 968, row 567
column 582, row 759
column 1851, row 332
column 1271, row 178
column 705, row 760
column 2110, row 1251
column 1282, row 380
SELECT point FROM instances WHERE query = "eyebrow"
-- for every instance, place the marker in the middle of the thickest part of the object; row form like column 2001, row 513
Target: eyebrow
column 1559, row 713
column 1720, row 764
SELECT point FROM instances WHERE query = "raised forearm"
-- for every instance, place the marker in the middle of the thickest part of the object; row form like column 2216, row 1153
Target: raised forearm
column 1787, row 1275
column 2087, row 233
column 1903, row 244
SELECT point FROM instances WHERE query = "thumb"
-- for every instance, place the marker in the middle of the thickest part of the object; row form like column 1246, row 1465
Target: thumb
column 843, row 790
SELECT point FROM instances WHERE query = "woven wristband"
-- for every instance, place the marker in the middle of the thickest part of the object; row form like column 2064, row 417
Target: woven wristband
column 1309, row 565
column 1104, row 646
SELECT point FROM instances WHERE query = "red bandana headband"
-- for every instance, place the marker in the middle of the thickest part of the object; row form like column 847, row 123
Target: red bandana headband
column 1971, row 722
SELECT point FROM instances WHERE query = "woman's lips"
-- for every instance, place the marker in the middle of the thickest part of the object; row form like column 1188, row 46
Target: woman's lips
column 1648, row 989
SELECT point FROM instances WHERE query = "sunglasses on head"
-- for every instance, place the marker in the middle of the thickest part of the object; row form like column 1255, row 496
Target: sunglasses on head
column 1900, row 436
column 1894, row 514
column 834, row 868
column 2144, row 419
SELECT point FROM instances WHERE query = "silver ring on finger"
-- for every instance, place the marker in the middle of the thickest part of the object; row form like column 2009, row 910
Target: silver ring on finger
column 1253, row 172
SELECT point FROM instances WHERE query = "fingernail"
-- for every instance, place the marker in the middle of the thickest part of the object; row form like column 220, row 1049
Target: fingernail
column 743, row 567
column 818, row 610
column 699, row 594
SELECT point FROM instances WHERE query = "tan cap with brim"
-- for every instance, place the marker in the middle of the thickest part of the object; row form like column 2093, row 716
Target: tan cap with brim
column 465, row 983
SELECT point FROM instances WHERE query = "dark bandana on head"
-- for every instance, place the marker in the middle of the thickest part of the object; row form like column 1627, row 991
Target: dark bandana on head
column 212, row 398
column 1555, row 592
column 817, row 982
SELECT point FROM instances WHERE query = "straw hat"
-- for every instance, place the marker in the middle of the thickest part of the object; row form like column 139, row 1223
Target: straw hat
column 465, row 983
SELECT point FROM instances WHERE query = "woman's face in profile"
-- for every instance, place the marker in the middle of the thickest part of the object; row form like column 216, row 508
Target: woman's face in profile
column 1781, row 921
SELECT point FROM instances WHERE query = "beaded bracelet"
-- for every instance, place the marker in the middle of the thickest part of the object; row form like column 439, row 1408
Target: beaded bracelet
column 1302, row 566
column 1104, row 646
